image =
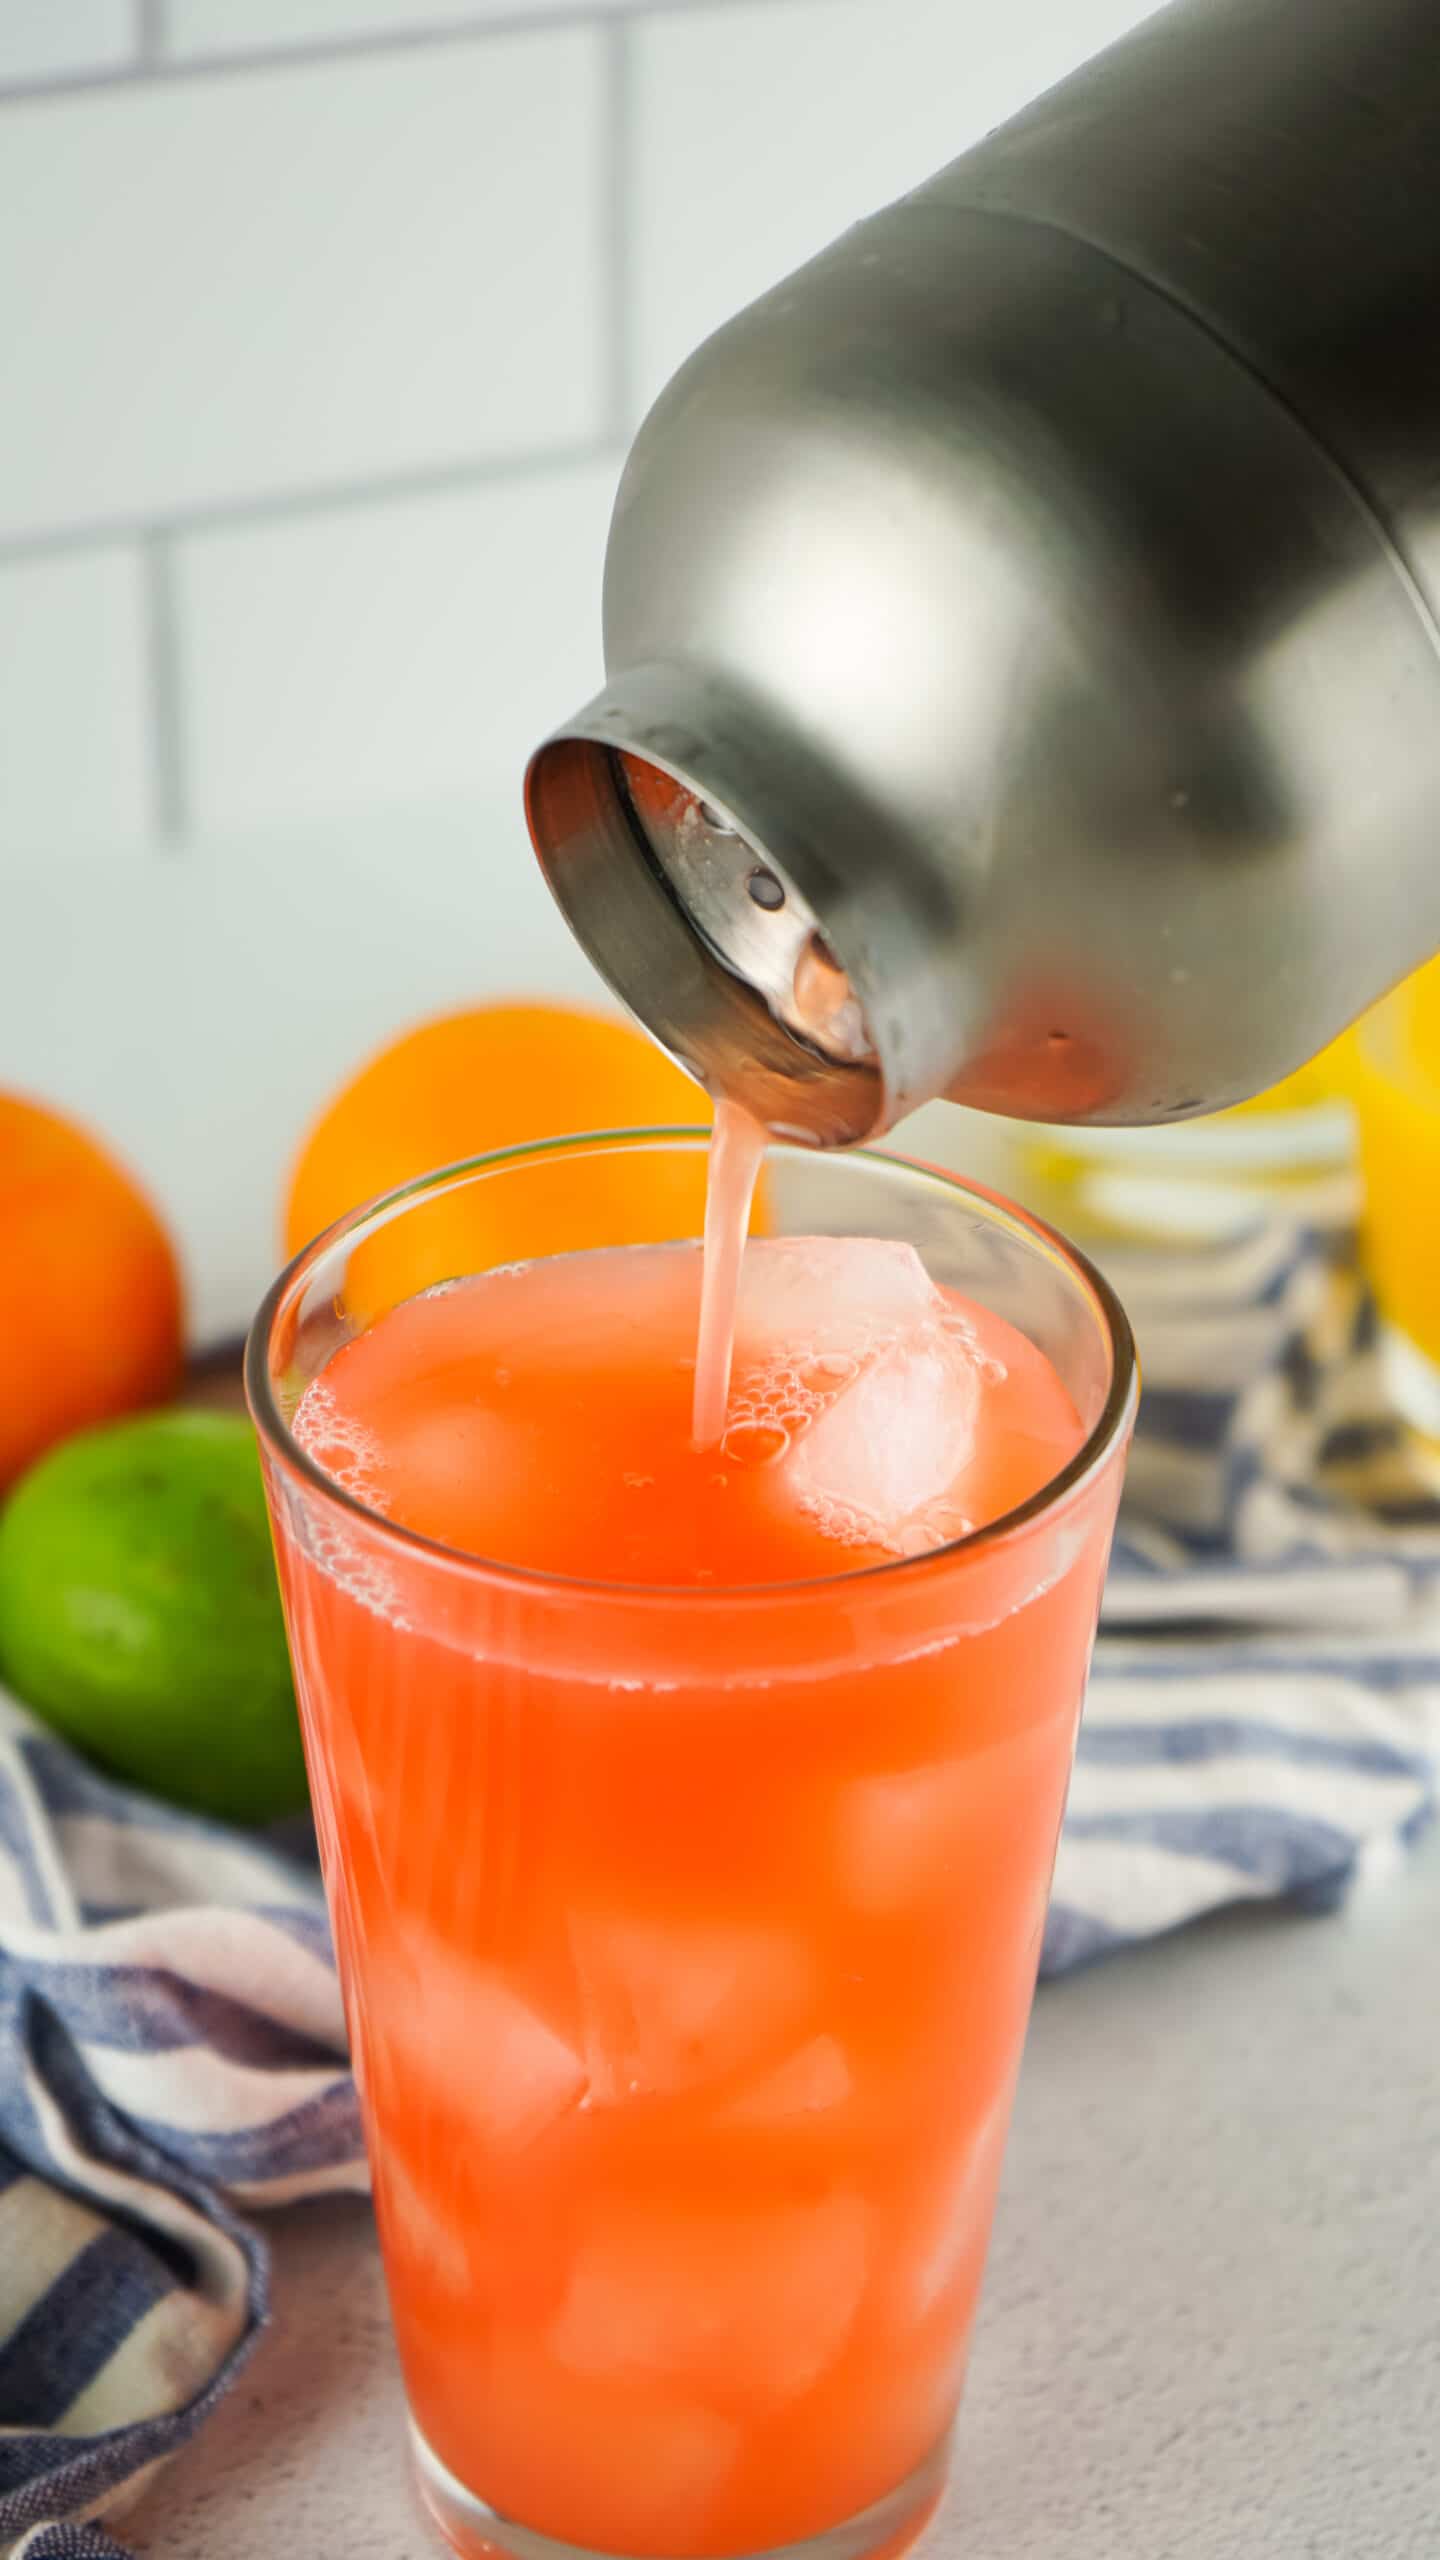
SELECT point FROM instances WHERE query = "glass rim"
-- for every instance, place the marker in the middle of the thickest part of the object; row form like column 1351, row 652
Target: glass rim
column 1100, row 1443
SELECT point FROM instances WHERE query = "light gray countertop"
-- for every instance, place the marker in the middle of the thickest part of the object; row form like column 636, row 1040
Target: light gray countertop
column 1212, row 2320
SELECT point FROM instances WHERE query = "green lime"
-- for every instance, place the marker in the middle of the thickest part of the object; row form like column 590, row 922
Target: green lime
column 140, row 1616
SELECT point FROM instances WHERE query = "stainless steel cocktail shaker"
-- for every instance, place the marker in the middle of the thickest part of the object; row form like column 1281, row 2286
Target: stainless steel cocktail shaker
column 1021, row 624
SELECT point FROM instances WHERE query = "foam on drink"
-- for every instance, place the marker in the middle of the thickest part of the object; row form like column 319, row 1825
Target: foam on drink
column 543, row 1416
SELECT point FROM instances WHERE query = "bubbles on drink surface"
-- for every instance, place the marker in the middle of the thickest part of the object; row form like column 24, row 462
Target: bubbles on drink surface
column 541, row 1416
column 351, row 1454
column 861, row 1381
column 961, row 1328
column 341, row 1552
column 339, row 1442
column 753, row 1439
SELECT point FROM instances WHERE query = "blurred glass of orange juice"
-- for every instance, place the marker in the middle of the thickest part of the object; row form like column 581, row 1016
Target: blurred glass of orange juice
column 1196, row 1179
column 1395, row 1081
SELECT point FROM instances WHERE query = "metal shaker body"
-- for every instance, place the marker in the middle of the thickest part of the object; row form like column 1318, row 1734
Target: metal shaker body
column 1034, row 601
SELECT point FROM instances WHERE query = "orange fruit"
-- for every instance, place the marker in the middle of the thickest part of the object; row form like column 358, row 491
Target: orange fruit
column 498, row 1076
column 91, row 1320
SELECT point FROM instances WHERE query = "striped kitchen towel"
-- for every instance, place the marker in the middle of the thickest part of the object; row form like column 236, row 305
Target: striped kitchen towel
column 1262, row 1722
column 1263, row 1717
column 171, row 2049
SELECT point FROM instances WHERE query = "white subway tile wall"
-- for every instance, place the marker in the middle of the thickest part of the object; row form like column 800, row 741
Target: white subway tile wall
column 75, row 773
column 233, row 288
column 56, row 39
column 198, row 27
column 199, row 1012
column 244, row 26
column 329, row 321
column 371, row 656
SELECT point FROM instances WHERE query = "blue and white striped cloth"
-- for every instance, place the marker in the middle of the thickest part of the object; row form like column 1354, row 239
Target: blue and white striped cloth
column 1263, row 1721
column 171, row 2049
column 1263, row 1716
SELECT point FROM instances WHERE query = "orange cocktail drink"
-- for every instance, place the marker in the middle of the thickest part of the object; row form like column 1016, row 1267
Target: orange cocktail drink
column 688, row 1815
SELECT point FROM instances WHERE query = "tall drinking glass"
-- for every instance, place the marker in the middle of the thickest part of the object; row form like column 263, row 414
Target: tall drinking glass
column 687, row 1937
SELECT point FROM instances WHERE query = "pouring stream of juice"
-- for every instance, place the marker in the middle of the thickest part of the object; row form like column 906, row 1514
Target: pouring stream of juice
column 737, row 1151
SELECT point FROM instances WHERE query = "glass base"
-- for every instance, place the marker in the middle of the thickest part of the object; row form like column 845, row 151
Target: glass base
column 880, row 2532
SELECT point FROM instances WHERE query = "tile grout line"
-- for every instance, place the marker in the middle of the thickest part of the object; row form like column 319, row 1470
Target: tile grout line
column 619, row 140
column 152, row 35
column 168, row 790
column 156, row 67
column 279, row 506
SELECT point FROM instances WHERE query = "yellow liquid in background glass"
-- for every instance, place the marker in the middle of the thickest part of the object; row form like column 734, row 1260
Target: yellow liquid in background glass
column 1351, row 1140
column 1199, row 1179
column 1394, row 1075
